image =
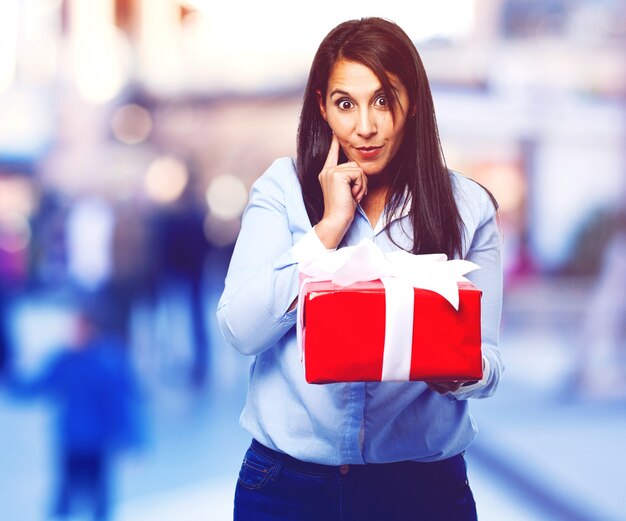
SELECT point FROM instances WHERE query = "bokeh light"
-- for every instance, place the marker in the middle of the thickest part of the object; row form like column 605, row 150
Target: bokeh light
column 100, row 80
column 100, row 52
column 131, row 124
column 166, row 179
column 16, row 196
column 507, row 184
column 8, row 41
column 15, row 232
column 226, row 196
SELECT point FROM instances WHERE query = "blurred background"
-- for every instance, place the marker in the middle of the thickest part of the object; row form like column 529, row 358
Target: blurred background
column 130, row 134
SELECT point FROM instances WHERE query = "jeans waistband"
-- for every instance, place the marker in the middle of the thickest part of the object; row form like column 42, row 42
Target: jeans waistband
column 431, row 469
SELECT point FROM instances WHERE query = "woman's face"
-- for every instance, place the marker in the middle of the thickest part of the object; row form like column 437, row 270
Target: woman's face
column 357, row 110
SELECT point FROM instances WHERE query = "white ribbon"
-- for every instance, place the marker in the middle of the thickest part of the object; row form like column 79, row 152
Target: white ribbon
column 399, row 272
column 399, row 301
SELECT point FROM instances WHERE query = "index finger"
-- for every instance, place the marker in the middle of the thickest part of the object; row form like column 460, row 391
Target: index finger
column 333, row 153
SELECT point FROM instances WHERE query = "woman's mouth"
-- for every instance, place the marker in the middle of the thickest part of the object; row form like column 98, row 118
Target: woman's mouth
column 369, row 152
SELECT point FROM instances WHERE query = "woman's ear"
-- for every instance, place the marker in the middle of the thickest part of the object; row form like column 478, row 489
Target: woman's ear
column 321, row 102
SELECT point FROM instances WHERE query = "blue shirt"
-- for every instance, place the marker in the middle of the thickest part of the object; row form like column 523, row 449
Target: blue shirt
column 345, row 423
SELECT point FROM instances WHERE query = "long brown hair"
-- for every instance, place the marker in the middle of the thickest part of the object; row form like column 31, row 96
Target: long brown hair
column 418, row 166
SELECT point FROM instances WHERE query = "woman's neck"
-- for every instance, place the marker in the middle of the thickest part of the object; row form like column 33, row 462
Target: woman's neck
column 373, row 204
column 378, row 186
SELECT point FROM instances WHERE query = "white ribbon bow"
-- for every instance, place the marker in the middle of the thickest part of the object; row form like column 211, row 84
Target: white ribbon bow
column 399, row 272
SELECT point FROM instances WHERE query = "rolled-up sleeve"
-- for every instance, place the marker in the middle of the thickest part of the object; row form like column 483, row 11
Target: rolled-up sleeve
column 262, row 279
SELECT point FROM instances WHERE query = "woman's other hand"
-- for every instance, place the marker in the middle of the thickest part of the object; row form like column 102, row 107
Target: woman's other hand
column 343, row 187
column 446, row 387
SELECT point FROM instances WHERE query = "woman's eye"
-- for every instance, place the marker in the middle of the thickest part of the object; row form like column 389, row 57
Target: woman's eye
column 382, row 101
column 345, row 104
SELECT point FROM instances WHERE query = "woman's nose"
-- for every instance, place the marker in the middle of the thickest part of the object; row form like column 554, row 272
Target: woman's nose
column 366, row 124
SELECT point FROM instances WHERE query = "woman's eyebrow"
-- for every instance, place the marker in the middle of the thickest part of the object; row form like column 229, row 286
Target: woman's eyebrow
column 345, row 93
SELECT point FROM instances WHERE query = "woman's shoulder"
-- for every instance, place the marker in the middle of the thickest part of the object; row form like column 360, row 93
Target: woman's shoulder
column 282, row 168
column 280, row 176
column 472, row 197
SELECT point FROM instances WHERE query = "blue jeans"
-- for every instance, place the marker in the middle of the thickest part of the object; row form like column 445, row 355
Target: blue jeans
column 273, row 486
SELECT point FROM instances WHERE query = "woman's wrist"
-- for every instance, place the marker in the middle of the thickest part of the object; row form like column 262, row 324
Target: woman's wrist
column 331, row 232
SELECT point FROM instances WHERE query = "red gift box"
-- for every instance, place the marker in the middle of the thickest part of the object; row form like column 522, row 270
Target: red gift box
column 343, row 333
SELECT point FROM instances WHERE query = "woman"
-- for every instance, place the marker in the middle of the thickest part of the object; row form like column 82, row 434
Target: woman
column 369, row 165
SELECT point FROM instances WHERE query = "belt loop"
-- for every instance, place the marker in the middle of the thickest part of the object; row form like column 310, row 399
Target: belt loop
column 276, row 469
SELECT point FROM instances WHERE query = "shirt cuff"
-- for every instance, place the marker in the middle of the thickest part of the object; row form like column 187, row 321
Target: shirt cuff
column 477, row 385
column 309, row 248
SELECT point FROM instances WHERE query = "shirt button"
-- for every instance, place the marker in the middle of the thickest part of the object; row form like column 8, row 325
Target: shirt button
column 344, row 469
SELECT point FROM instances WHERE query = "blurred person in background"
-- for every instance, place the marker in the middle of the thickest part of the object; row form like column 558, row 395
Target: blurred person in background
column 600, row 368
column 13, row 280
column 48, row 249
column 134, row 273
column 183, row 249
column 369, row 165
column 95, row 397
column 4, row 335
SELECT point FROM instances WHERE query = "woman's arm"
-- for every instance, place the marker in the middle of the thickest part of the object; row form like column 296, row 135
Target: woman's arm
column 258, row 305
column 262, row 280
column 42, row 384
column 485, row 251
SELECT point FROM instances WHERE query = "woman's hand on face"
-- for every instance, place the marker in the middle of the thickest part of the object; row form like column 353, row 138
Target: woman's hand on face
column 343, row 187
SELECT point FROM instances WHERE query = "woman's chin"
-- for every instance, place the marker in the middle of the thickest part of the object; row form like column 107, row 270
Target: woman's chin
column 373, row 169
